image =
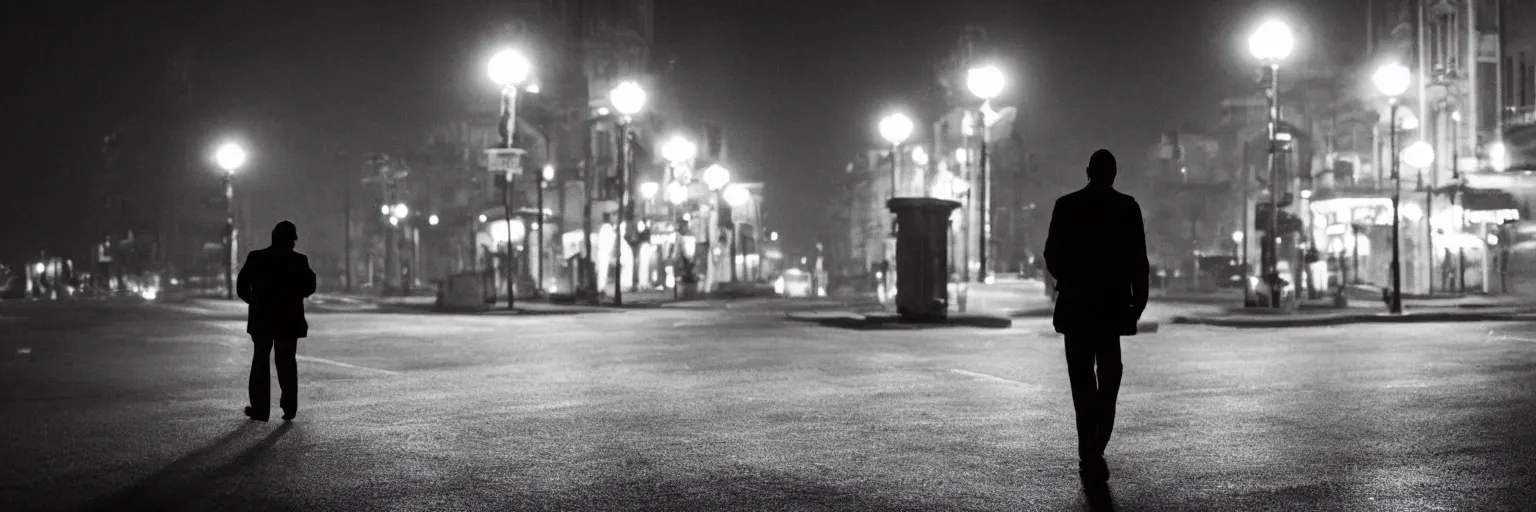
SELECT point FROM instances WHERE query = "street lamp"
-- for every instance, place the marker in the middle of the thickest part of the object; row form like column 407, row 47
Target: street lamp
column 628, row 99
column 1272, row 43
column 546, row 175
column 509, row 68
column 716, row 178
column 737, row 196
column 895, row 128
column 1393, row 80
column 986, row 82
column 230, row 157
column 649, row 189
column 432, row 220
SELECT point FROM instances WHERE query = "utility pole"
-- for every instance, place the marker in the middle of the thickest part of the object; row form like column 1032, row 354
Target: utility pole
column 346, row 232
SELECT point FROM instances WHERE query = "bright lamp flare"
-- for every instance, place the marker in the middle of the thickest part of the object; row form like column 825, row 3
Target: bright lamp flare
column 677, row 193
column 679, row 149
column 648, row 189
column 737, row 195
column 961, row 155
column 1237, row 236
column 548, row 173
column 509, row 68
column 402, row 211
column 1392, row 79
column 985, row 82
column 1272, row 42
column 1419, row 154
column 715, row 177
column 1498, row 157
column 432, row 220
column 628, row 98
column 229, row 157
column 919, row 156
column 895, row 128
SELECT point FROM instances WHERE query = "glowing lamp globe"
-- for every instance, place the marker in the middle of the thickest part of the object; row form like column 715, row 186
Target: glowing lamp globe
column 737, row 195
column 919, row 156
column 509, row 68
column 628, row 98
column 1392, row 79
column 229, row 157
column 401, row 211
column 1419, row 154
column 679, row 149
column 895, row 128
column 648, row 189
column 985, row 82
column 715, row 177
column 1272, row 42
column 677, row 193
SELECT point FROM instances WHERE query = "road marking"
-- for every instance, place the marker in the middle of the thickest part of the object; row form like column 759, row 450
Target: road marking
column 343, row 365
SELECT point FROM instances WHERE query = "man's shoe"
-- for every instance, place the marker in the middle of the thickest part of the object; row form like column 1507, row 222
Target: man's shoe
column 289, row 414
column 1094, row 472
column 250, row 412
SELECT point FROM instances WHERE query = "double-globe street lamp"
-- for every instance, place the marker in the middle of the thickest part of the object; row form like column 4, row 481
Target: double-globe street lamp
column 509, row 69
column 1272, row 43
column 986, row 82
column 1393, row 80
column 895, row 128
column 230, row 157
column 628, row 99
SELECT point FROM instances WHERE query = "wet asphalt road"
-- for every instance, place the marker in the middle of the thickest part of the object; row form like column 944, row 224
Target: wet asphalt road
column 134, row 407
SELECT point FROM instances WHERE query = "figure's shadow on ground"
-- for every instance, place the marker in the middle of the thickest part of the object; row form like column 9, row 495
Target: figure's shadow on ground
column 1100, row 499
column 191, row 475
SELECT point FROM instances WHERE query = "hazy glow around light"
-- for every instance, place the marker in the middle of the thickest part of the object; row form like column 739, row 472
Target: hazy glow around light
column 230, row 157
column 961, row 155
column 628, row 98
column 679, row 149
column 548, row 173
column 384, row 209
column 1498, row 157
column 716, row 177
column 648, row 189
column 1272, row 42
column 985, row 82
column 895, row 128
column 919, row 156
column 737, row 195
column 432, row 220
column 1419, row 154
column 402, row 211
column 1237, row 236
column 1392, row 79
column 510, row 68
column 677, row 193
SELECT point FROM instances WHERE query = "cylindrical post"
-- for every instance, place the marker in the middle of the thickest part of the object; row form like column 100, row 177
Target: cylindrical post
column 618, row 224
column 1247, row 184
column 229, row 233
column 538, row 289
column 509, row 116
column 983, row 180
column 1397, row 190
column 1272, row 264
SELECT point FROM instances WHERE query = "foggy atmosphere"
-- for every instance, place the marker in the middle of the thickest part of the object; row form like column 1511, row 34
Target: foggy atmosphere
column 752, row 255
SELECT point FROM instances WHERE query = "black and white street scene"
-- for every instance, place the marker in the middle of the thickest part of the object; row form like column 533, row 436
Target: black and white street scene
column 797, row 255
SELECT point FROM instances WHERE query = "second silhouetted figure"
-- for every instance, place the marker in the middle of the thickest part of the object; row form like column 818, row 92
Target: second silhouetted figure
column 275, row 281
column 1097, row 253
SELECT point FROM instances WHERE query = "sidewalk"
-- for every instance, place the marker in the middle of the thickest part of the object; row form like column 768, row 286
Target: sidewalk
column 1472, row 308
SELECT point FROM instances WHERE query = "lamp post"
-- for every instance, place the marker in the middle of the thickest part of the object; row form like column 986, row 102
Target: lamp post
column 986, row 82
column 679, row 153
column 230, row 157
column 1421, row 155
column 397, row 216
column 920, row 163
column 895, row 128
column 509, row 68
column 1461, row 215
column 737, row 196
column 1393, row 80
column 627, row 98
column 1271, row 44
column 546, row 175
column 716, row 178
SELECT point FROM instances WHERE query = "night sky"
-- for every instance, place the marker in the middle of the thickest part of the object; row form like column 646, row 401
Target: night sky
column 798, row 84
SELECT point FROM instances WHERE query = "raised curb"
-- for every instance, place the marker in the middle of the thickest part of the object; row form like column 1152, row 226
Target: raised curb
column 890, row 321
column 1324, row 321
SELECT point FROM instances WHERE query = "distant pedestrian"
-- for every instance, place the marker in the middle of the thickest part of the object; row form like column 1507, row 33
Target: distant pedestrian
column 1097, row 252
column 275, row 281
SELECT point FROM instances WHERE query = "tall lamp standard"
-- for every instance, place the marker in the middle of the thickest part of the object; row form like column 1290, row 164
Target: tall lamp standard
column 1421, row 155
column 737, row 196
column 230, row 157
column 1271, row 44
column 627, row 98
column 546, row 175
column 1393, row 80
column 509, row 68
column 895, row 128
column 716, row 178
column 986, row 82
column 679, row 154
column 398, row 214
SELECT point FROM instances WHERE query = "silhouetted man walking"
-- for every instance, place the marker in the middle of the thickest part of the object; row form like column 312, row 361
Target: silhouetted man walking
column 1097, row 252
column 275, row 281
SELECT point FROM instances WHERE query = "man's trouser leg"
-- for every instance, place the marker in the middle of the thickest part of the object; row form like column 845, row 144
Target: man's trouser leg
column 288, row 372
column 1093, row 392
column 261, row 380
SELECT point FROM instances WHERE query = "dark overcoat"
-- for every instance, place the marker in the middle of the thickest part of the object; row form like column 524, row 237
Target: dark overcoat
column 275, row 281
column 1097, row 252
